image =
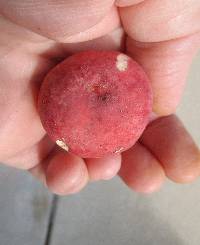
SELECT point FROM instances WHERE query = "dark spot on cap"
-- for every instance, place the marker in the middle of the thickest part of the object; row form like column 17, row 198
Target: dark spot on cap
column 105, row 97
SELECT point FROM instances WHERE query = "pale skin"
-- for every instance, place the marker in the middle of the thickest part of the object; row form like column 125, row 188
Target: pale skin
column 163, row 36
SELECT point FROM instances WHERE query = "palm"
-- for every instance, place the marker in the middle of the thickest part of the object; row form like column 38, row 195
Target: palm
column 21, row 74
column 26, row 65
column 25, row 59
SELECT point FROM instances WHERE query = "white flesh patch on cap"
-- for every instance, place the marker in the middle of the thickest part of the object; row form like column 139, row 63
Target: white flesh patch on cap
column 122, row 62
column 62, row 145
column 119, row 150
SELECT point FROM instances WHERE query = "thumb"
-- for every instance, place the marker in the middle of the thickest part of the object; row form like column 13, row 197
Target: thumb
column 63, row 20
column 167, row 64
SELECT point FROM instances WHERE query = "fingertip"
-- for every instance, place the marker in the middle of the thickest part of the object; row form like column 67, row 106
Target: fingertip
column 170, row 142
column 163, row 108
column 63, row 20
column 103, row 168
column 126, row 3
column 141, row 171
column 151, row 187
column 109, row 23
column 187, row 175
column 66, row 174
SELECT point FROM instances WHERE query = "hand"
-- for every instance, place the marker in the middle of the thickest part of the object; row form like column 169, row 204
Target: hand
column 163, row 37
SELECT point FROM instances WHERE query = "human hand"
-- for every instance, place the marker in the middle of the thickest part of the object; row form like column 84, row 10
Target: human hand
column 163, row 37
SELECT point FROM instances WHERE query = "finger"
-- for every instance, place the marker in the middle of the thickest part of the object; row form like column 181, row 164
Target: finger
column 166, row 64
column 32, row 156
column 103, row 168
column 140, row 170
column 66, row 174
column 125, row 3
column 161, row 20
column 114, row 40
column 110, row 22
column 60, row 20
column 172, row 145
